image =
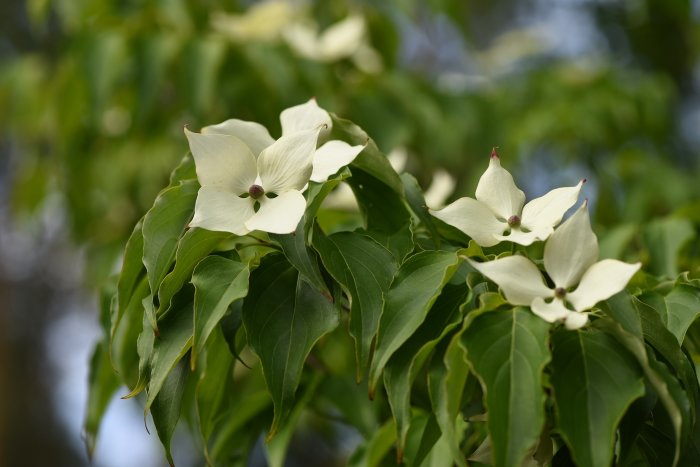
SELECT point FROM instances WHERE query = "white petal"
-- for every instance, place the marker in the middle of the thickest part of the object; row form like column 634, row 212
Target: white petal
column 548, row 210
column 602, row 280
column 308, row 116
column 575, row 320
column 474, row 219
column 221, row 210
column 279, row 215
column 343, row 38
column 497, row 190
column 441, row 187
column 526, row 238
column 571, row 249
column 222, row 160
column 518, row 278
column 287, row 164
column 397, row 158
column 253, row 134
column 550, row 312
column 303, row 40
column 330, row 157
column 341, row 198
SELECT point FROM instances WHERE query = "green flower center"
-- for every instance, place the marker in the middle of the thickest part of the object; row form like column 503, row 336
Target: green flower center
column 256, row 191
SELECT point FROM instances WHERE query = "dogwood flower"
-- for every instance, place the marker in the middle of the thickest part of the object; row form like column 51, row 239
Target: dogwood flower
column 500, row 208
column 327, row 159
column 241, row 192
column 570, row 260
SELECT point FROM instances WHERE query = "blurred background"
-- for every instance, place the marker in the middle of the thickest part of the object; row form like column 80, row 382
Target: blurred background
column 94, row 95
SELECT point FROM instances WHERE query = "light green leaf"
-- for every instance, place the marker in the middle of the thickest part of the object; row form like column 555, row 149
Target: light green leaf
column 191, row 248
column 679, row 308
column 218, row 282
column 595, row 379
column 167, row 404
column 401, row 370
column 371, row 453
column 364, row 269
column 664, row 239
column 284, row 317
column 415, row 288
column 163, row 225
column 508, row 351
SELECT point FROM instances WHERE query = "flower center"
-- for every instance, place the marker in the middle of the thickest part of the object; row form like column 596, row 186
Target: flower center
column 514, row 221
column 256, row 191
column 560, row 292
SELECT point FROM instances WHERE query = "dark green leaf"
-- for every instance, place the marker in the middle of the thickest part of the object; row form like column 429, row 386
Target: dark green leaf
column 163, row 225
column 508, row 350
column 371, row 453
column 595, row 379
column 132, row 270
column 382, row 208
column 191, row 248
column 365, row 270
column 415, row 288
column 415, row 198
column 399, row 242
column 102, row 384
column 218, row 282
column 302, row 257
column 284, row 317
column 167, row 404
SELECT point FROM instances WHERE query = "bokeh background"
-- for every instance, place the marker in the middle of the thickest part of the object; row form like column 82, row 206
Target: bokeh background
column 94, row 95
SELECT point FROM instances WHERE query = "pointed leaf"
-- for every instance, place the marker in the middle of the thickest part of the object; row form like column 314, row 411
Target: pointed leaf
column 102, row 384
column 382, row 208
column 132, row 270
column 595, row 379
column 413, row 291
column 364, row 269
column 302, row 257
column 166, row 406
column 163, row 225
column 284, row 317
column 508, row 351
column 218, row 282
column 191, row 248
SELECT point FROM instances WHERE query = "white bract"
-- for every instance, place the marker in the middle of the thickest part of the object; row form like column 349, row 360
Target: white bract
column 499, row 208
column 327, row 159
column 570, row 260
column 240, row 175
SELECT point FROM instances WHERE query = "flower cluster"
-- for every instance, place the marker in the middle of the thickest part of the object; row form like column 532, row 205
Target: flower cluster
column 250, row 181
column 571, row 261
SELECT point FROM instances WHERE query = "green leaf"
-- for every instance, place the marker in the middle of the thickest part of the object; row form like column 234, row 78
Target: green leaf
column 163, row 225
column 403, row 366
column 595, row 379
column 678, row 309
column 191, row 248
column 172, row 343
column 364, row 269
column 354, row 405
column 167, row 404
column 664, row 239
column 415, row 198
column 144, row 347
column 302, row 257
column 102, row 383
column 399, row 242
column 371, row 453
column 132, row 271
column 218, row 282
column 186, row 170
column 284, row 317
column 370, row 160
column 415, row 288
column 382, row 208
column 508, row 351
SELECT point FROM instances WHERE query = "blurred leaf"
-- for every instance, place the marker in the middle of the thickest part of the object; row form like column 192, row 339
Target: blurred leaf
column 415, row 288
column 218, row 282
column 402, row 367
column 595, row 379
column 614, row 243
column 365, row 269
column 163, row 225
column 371, row 453
column 284, row 317
column 102, row 384
column 167, row 405
column 664, row 239
column 508, row 350
column 191, row 248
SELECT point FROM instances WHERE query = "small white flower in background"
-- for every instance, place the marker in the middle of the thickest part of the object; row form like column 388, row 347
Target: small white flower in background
column 500, row 208
column 344, row 39
column 234, row 182
column 441, row 187
column 570, row 260
column 264, row 21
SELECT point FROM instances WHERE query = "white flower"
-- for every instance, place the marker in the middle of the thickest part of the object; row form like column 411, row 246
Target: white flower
column 332, row 155
column 570, row 257
column 441, row 187
column 253, row 183
column 264, row 21
column 498, row 208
